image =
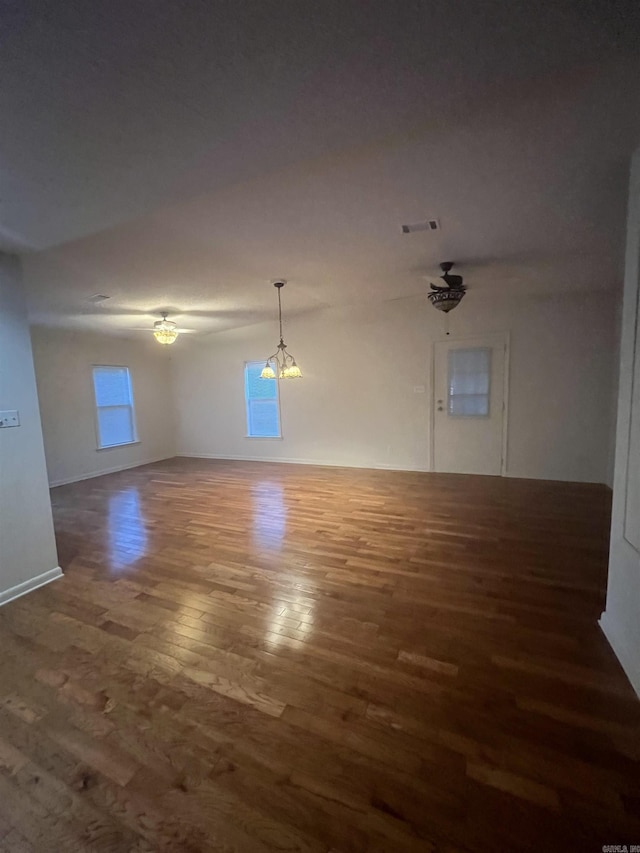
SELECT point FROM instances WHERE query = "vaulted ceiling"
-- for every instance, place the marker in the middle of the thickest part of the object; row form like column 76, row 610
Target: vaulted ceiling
column 179, row 155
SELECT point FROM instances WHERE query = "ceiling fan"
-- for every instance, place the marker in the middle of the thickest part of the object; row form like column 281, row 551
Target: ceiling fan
column 165, row 331
column 204, row 320
column 448, row 297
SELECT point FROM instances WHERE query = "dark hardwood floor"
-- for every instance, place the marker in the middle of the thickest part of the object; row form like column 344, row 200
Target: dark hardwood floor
column 251, row 657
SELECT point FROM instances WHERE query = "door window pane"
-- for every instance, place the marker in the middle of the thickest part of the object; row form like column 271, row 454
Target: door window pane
column 468, row 388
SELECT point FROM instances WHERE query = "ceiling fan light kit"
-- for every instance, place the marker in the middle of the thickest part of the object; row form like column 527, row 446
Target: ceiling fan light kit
column 283, row 362
column 164, row 331
column 448, row 297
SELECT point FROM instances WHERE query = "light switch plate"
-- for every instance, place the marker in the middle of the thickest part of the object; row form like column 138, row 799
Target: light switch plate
column 10, row 418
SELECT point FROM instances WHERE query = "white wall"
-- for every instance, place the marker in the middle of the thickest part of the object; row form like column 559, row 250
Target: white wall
column 63, row 361
column 27, row 545
column 356, row 404
column 621, row 619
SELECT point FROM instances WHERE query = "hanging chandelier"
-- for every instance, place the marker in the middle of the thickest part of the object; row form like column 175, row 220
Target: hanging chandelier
column 284, row 363
column 164, row 331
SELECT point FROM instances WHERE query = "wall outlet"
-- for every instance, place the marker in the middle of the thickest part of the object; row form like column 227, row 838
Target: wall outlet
column 10, row 418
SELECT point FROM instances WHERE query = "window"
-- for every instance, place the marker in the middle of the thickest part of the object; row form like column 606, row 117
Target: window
column 469, row 380
column 114, row 406
column 263, row 405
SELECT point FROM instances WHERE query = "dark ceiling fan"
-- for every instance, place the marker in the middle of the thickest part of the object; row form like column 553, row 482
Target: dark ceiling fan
column 446, row 298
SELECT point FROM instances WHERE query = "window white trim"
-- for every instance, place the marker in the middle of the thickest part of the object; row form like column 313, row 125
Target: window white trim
column 130, row 405
column 248, row 401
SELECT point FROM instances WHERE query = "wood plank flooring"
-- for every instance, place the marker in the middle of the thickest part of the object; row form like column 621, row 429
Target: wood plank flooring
column 253, row 657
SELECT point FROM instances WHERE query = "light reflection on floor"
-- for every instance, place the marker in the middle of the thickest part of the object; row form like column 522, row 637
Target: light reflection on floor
column 126, row 530
column 269, row 514
column 293, row 618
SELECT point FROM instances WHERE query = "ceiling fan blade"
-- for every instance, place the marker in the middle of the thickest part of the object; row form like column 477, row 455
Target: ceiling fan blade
column 151, row 329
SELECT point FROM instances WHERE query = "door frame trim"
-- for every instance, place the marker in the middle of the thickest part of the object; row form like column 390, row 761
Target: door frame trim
column 505, row 336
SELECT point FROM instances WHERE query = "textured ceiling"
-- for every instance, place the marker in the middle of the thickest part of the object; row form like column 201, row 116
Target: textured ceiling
column 180, row 155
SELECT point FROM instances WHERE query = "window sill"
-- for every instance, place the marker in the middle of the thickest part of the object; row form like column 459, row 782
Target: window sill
column 264, row 437
column 116, row 446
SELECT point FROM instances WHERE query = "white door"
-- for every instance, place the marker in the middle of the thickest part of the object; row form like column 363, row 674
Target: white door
column 469, row 405
column 620, row 620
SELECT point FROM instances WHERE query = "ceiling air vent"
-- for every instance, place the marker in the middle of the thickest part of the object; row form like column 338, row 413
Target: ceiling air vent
column 427, row 225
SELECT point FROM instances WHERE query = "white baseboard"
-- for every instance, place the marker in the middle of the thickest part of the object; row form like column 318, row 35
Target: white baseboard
column 628, row 660
column 296, row 461
column 381, row 466
column 331, row 463
column 28, row 586
column 101, row 473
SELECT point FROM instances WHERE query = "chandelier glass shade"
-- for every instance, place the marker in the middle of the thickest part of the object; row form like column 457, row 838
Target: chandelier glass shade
column 164, row 331
column 281, row 364
column 445, row 300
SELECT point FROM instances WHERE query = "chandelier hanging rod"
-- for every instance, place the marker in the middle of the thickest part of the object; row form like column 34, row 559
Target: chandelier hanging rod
column 285, row 363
